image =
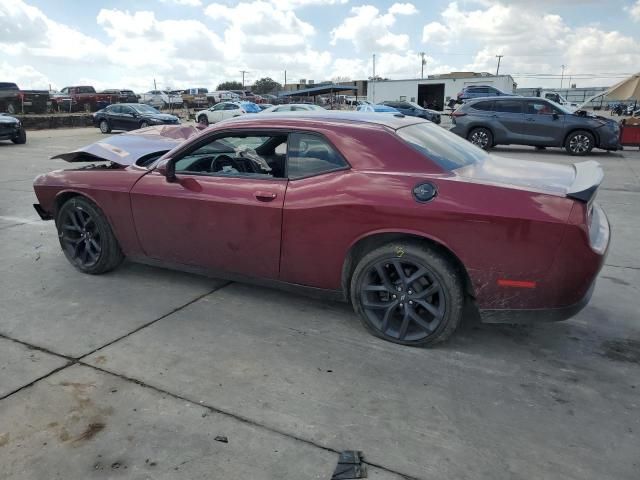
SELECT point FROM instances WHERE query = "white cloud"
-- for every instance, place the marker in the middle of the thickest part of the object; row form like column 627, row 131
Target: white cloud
column 532, row 41
column 27, row 77
column 369, row 30
column 634, row 11
column 186, row 3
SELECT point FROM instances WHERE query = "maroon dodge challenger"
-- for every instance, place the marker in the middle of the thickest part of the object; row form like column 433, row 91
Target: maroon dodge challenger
column 395, row 214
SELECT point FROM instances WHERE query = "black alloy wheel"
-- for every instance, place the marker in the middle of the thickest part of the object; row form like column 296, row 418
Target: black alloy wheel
column 481, row 137
column 407, row 294
column 104, row 126
column 86, row 237
column 579, row 143
column 21, row 137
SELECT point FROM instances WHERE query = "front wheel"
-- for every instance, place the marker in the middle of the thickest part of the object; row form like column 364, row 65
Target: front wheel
column 86, row 237
column 481, row 137
column 407, row 293
column 203, row 120
column 20, row 138
column 144, row 124
column 11, row 108
column 579, row 143
column 105, row 127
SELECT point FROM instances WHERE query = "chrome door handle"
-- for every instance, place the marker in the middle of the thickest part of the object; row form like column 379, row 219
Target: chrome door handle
column 265, row 196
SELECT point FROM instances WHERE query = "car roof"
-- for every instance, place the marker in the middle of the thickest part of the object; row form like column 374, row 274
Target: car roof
column 311, row 117
column 506, row 98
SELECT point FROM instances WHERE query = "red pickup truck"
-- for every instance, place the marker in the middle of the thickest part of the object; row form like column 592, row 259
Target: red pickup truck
column 82, row 98
column 13, row 100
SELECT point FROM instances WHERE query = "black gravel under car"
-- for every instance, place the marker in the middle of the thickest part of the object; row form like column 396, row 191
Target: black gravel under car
column 11, row 129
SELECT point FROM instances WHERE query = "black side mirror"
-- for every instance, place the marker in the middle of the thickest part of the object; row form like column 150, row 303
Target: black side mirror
column 167, row 169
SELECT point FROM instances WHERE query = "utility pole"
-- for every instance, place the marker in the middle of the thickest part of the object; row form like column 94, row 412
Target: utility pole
column 154, row 84
column 373, row 82
column 285, row 80
column 562, row 75
column 499, row 57
column 422, row 64
column 243, row 72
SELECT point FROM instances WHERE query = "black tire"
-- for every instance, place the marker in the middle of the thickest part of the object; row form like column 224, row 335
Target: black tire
column 11, row 108
column 203, row 120
column 86, row 237
column 144, row 124
column 104, row 126
column 579, row 143
column 21, row 138
column 388, row 306
column 481, row 137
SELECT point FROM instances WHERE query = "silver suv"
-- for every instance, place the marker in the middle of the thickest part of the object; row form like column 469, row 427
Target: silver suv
column 487, row 122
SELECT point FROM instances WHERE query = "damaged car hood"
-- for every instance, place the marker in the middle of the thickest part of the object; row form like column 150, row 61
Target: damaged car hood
column 127, row 148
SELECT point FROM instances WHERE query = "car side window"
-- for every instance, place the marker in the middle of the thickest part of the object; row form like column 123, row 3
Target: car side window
column 231, row 106
column 126, row 110
column 508, row 106
column 255, row 156
column 536, row 107
column 218, row 107
column 115, row 109
column 310, row 155
column 483, row 106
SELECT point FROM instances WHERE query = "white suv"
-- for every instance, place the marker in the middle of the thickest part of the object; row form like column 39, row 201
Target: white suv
column 225, row 110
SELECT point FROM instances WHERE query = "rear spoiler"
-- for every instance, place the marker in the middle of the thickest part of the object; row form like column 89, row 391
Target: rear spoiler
column 589, row 176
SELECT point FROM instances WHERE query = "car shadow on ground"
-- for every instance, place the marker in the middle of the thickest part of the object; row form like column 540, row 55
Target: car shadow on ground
column 549, row 151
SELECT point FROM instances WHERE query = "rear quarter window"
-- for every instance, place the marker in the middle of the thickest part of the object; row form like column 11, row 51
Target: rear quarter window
column 447, row 150
column 483, row 106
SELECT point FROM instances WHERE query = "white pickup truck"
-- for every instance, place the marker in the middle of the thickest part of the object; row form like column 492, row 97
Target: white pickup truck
column 556, row 97
column 161, row 99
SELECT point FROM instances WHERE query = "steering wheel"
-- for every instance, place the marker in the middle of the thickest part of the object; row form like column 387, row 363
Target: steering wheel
column 220, row 158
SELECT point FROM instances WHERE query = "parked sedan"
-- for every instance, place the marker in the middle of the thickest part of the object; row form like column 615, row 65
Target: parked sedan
column 367, row 107
column 398, row 216
column 12, row 129
column 129, row 116
column 414, row 110
column 225, row 110
column 295, row 107
column 534, row 121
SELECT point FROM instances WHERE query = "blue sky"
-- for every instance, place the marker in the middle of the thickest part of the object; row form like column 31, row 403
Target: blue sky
column 193, row 43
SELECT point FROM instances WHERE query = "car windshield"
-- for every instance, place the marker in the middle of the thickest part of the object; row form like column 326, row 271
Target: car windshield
column 562, row 108
column 415, row 105
column 250, row 107
column 142, row 108
column 443, row 147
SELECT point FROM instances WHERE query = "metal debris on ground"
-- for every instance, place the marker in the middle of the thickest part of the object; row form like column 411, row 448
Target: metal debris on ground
column 221, row 438
column 350, row 466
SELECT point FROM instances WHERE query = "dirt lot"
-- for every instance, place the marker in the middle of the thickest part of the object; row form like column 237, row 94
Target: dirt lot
column 135, row 373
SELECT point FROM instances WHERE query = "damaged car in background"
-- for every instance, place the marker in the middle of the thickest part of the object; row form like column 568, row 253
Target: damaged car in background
column 406, row 221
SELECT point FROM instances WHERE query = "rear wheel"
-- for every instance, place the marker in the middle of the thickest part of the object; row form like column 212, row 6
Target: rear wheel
column 86, row 237
column 144, row 124
column 407, row 293
column 21, row 137
column 579, row 143
column 11, row 108
column 105, row 127
column 481, row 137
column 203, row 120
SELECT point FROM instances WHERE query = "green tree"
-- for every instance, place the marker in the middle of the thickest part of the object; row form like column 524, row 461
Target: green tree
column 266, row 85
column 230, row 86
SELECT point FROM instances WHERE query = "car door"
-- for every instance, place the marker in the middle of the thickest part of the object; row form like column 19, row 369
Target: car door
column 128, row 118
column 507, row 121
column 230, row 110
column 215, row 114
column 544, row 123
column 112, row 113
column 216, row 214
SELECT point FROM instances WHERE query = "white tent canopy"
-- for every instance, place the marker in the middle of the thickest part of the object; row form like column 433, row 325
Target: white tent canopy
column 627, row 89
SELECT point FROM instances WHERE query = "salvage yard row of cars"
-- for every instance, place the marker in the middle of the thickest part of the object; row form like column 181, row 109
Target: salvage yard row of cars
column 405, row 220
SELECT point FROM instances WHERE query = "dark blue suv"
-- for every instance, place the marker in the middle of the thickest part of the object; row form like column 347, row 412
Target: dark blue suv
column 477, row 91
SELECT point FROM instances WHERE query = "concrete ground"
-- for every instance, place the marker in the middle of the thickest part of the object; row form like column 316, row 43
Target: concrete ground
column 135, row 373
